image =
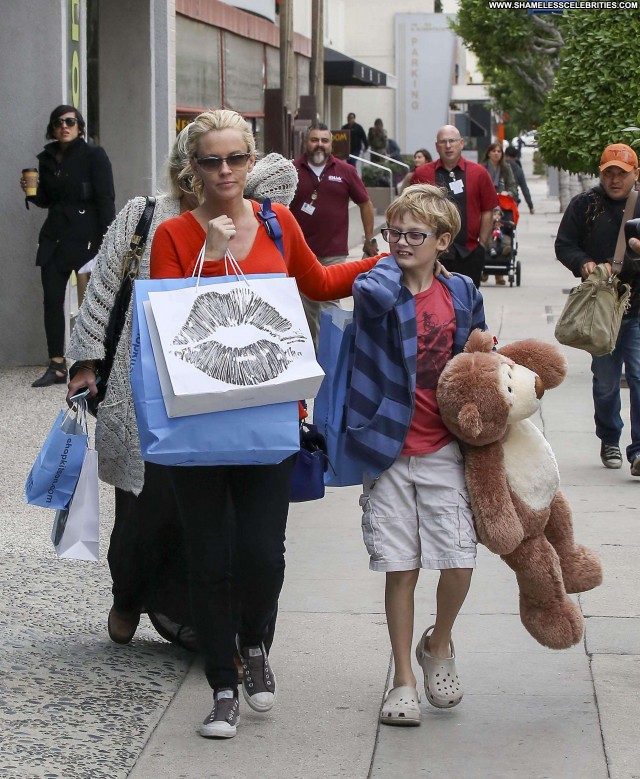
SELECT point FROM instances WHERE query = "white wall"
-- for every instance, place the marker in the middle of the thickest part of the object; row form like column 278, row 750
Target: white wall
column 33, row 35
column 370, row 31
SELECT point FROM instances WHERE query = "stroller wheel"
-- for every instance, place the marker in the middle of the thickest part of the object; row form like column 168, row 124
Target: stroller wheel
column 518, row 273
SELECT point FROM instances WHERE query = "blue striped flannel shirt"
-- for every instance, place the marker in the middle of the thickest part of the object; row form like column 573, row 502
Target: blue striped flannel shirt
column 380, row 400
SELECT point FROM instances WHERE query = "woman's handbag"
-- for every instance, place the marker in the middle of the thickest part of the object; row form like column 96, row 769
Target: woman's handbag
column 55, row 473
column 307, row 480
column 593, row 312
column 118, row 313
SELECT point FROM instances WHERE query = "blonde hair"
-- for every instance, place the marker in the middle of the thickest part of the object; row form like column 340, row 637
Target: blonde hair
column 427, row 204
column 220, row 119
column 176, row 161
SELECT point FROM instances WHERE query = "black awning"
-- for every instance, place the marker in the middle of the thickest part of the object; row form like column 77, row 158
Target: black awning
column 343, row 71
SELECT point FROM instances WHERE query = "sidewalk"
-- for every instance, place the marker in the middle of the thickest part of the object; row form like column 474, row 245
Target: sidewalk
column 75, row 706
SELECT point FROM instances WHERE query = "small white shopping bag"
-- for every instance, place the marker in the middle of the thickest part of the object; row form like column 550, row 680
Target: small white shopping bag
column 232, row 345
column 76, row 529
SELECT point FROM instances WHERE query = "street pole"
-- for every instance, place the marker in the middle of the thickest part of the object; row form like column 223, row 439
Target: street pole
column 287, row 56
column 317, row 56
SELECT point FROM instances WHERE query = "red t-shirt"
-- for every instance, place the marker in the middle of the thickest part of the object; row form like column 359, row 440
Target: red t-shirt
column 326, row 230
column 436, row 322
column 480, row 194
column 177, row 243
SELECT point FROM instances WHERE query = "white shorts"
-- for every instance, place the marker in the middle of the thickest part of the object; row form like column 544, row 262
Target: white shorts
column 417, row 514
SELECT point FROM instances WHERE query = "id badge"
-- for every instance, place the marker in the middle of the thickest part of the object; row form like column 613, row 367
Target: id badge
column 457, row 186
column 308, row 208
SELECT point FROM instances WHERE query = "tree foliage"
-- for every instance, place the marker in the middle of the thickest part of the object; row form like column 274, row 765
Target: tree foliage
column 596, row 91
column 517, row 55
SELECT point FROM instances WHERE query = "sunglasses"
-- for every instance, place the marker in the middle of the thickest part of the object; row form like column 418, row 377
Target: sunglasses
column 70, row 121
column 237, row 160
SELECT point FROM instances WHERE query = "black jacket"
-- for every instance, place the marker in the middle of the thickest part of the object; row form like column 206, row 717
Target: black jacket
column 80, row 197
column 521, row 181
column 358, row 138
column 589, row 231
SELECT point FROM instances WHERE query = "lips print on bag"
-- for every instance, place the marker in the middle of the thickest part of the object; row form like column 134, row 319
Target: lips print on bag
column 232, row 344
column 247, row 365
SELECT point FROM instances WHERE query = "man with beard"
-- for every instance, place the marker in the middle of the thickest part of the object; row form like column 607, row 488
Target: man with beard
column 321, row 207
column 587, row 236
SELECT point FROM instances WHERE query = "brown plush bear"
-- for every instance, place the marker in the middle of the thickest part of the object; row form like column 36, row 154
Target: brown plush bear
column 485, row 398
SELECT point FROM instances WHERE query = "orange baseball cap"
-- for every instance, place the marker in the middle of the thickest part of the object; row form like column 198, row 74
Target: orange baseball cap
column 620, row 155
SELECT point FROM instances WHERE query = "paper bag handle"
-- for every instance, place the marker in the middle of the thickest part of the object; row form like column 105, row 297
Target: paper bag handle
column 229, row 261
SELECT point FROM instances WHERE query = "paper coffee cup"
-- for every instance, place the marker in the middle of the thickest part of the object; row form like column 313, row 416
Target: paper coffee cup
column 30, row 175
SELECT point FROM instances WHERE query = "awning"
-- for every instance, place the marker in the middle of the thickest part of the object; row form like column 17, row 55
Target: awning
column 343, row 71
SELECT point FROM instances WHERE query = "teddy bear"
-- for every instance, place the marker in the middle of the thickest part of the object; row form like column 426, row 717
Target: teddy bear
column 486, row 397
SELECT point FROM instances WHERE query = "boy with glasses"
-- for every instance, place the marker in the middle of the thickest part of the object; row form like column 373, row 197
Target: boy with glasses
column 408, row 322
column 587, row 235
column 471, row 189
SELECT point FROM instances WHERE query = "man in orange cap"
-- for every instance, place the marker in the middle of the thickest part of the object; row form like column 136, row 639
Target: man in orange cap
column 588, row 235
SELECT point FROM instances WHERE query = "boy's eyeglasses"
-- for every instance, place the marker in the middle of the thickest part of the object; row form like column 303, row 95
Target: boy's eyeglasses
column 70, row 121
column 215, row 163
column 412, row 237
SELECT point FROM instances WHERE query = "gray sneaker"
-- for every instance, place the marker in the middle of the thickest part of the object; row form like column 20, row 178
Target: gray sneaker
column 635, row 466
column 259, row 681
column 610, row 455
column 224, row 718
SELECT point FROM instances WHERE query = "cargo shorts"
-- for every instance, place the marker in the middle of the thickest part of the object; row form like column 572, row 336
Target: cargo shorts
column 417, row 514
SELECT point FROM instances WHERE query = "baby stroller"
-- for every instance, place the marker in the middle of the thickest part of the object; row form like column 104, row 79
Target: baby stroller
column 501, row 257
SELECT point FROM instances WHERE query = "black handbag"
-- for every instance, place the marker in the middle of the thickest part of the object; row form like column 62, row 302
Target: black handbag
column 307, row 480
column 118, row 313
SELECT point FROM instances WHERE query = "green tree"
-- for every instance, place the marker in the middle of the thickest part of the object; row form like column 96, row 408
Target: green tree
column 596, row 92
column 517, row 55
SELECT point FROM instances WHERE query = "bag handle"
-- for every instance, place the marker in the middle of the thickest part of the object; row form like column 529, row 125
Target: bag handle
column 271, row 224
column 131, row 265
column 229, row 260
column 79, row 410
column 630, row 207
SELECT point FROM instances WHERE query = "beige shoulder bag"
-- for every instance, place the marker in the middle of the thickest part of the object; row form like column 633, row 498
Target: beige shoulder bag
column 593, row 312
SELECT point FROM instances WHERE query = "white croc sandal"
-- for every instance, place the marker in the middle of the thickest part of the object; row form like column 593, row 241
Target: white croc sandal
column 401, row 706
column 442, row 686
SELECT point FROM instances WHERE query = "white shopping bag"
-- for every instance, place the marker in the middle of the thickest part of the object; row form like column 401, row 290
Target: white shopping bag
column 76, row 529
column 232, row 345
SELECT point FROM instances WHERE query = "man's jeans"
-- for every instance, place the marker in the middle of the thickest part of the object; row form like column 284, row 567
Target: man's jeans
column 607, row 371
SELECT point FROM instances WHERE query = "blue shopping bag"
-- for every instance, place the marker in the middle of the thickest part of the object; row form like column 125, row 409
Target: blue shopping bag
column 329, row 407
column 55, row 473
column 261, row 435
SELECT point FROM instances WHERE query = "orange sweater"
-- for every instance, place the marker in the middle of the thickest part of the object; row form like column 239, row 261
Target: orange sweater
column 177, row 243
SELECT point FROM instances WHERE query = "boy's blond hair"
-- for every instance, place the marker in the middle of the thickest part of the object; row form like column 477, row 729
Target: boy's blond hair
column 428, row 204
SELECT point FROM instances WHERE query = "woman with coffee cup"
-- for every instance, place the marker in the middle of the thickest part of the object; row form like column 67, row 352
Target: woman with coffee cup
column 75, row 185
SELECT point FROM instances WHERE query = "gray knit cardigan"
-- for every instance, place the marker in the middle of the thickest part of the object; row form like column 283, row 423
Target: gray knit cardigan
column 117, row 441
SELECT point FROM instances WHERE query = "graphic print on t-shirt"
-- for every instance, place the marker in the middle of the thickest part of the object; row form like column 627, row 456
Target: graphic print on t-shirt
column 434, row 349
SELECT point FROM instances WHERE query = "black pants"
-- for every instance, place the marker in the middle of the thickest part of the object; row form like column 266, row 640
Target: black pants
column 146, row 554
column 54, row 286
column 470, row 266
column 234, row 522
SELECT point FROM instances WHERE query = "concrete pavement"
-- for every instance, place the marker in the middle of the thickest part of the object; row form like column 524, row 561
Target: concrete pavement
column 73, row 705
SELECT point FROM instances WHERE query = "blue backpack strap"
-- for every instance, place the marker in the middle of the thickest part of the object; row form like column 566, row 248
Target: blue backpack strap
column 271, row 224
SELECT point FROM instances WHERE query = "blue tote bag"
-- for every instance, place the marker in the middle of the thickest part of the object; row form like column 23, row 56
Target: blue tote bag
column 262, row 435
column 55, row 473
column 329, row 407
